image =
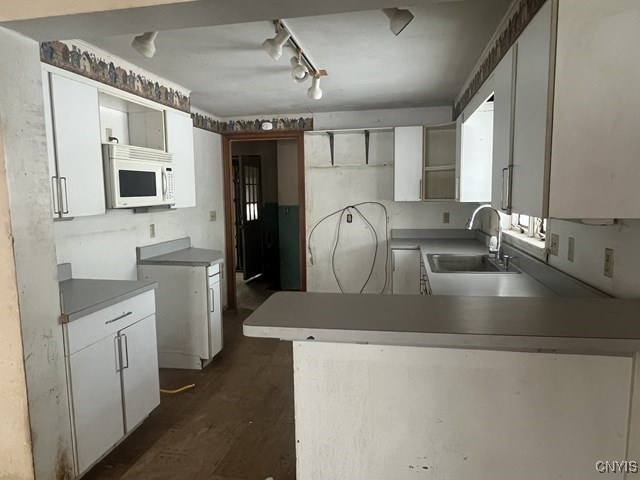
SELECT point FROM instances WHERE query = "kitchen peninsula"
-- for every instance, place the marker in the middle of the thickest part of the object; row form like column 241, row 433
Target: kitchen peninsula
column 404, row 386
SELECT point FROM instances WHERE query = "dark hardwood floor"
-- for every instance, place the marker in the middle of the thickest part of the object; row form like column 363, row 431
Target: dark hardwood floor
column 236, row 424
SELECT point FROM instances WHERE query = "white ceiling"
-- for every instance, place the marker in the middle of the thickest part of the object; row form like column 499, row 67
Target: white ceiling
column 369, row 68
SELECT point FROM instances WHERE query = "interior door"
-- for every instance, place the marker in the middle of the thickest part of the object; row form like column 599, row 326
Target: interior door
column 251, row 215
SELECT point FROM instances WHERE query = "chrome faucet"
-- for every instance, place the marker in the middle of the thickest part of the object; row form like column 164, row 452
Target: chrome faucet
column 469, row 226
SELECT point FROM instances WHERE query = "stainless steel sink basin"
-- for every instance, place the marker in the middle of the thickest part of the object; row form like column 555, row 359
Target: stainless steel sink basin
column 450, row 263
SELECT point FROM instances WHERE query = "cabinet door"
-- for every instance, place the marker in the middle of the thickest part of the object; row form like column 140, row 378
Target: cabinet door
column 406, row 271
column 477, row 147
column 97, row 400
column 408, row 161
column 530, row 125
column 179, row 130
column 76, row 126
column 140, row 384
column 502, row 131
column 51, row 152
column 215, row 316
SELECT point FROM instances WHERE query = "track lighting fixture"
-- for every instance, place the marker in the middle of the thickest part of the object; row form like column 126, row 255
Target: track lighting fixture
column 302, row 67
column 273, row 46
column 314, row 91
column 299, row 72
column 145, row 44
column 398, row 19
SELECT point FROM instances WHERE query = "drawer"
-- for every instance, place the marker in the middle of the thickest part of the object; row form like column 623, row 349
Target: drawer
column 87, row 330
column 213, row 269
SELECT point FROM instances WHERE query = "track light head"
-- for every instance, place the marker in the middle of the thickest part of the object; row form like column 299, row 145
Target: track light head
column 145, row 44
column 314, row 91
column 299, row 71
column 273, row 46
column 398, row 19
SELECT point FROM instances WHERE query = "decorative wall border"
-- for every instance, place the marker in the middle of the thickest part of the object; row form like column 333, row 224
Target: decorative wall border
column 280, row 124
column 90, row 65
column 520, row 18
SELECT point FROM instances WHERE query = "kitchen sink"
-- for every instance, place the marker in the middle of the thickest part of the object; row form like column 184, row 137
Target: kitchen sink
column 450, row 263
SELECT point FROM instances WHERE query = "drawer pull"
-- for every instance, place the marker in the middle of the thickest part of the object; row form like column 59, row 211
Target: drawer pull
column 117, row 318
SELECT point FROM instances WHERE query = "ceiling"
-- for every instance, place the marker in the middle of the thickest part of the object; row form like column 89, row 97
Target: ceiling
column 369, row 68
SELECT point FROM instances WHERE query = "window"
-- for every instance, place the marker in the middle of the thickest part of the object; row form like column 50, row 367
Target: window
column 532, row 227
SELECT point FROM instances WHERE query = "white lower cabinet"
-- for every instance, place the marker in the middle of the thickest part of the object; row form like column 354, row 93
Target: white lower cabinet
column 112, row 368
column 405, row 271
column 189, row 316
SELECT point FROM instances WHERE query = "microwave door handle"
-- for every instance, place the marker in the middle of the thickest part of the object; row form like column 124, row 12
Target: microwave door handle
column 164, row 184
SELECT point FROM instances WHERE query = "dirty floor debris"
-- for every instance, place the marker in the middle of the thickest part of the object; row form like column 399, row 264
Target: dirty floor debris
column 236, row 424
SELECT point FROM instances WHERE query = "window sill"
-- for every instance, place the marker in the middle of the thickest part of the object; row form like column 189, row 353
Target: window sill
column 533, row 246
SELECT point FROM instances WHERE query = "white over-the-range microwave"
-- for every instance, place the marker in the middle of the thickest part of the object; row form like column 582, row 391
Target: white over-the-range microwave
column 138, row 176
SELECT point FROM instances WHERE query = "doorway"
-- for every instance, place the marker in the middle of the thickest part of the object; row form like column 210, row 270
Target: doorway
column 265, row 223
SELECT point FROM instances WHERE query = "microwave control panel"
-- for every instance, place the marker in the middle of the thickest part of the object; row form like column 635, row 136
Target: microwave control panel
column 170, row 193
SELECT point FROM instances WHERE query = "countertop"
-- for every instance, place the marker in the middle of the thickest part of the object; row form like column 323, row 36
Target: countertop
column 80, row 297
column 470, row 284
column 602, row 326
column 195, row 257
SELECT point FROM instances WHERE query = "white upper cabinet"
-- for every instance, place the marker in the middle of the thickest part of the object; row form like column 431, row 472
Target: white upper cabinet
column 595, row 160
column 179, row 131
column 78, row 151
column 531, row 110
column 408, row 163
column 502, row 120
column 476, row 147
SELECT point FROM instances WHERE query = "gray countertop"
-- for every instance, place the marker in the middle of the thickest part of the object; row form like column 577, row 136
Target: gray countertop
column 80, row 297
column 567, row 325
column 470, row 284
column 186, row 257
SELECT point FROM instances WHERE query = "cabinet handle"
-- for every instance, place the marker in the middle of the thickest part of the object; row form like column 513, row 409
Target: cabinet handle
column 118, row 318
column 211, row 298
column 116, row 348
column 502, row 207
column 126, row 350
column 421, row 195
column 56, row 199
column 65, row 209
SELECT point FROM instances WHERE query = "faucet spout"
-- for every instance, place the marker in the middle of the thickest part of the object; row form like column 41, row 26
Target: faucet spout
column 472, row 219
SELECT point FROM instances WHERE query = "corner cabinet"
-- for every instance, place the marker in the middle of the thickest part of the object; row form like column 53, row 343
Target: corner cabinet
column 112, row 370
column 425, row 163
column 179, row 131
column 72, row 118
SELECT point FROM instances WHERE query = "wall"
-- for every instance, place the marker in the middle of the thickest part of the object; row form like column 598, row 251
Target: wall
column 588, row 263
column 25, row 154
column 400, row 117
column 15, row 439
column 351, row 181
column 104, row 246
column 288, row 214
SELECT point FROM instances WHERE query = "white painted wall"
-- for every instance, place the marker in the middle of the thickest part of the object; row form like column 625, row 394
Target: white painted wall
column 15, row 439
column 25, row 154
column 400, row 117
column 332, row 188
column 588, row 264
column 104, row 246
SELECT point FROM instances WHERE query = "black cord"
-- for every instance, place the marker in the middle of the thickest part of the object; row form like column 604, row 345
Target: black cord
column 342, row 211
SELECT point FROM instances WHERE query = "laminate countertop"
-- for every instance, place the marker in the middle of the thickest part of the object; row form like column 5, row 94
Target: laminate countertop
column 603, row 326
column 81, row 296
column 190, row 257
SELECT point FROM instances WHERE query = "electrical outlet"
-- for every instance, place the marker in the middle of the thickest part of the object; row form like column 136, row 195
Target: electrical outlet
column 445, row 217
column 152, row 230
column 554, row 246
column 212, row 216
column 608, row 262
column 571, row 249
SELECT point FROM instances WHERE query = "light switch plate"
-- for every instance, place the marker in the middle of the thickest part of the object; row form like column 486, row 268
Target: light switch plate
column 608, row 262
column 152, row 230
column 571, row 249
column 212, row 216
column 445, row 217
column 554, row 245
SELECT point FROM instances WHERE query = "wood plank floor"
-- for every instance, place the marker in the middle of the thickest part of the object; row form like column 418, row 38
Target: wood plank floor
column 236, row 424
